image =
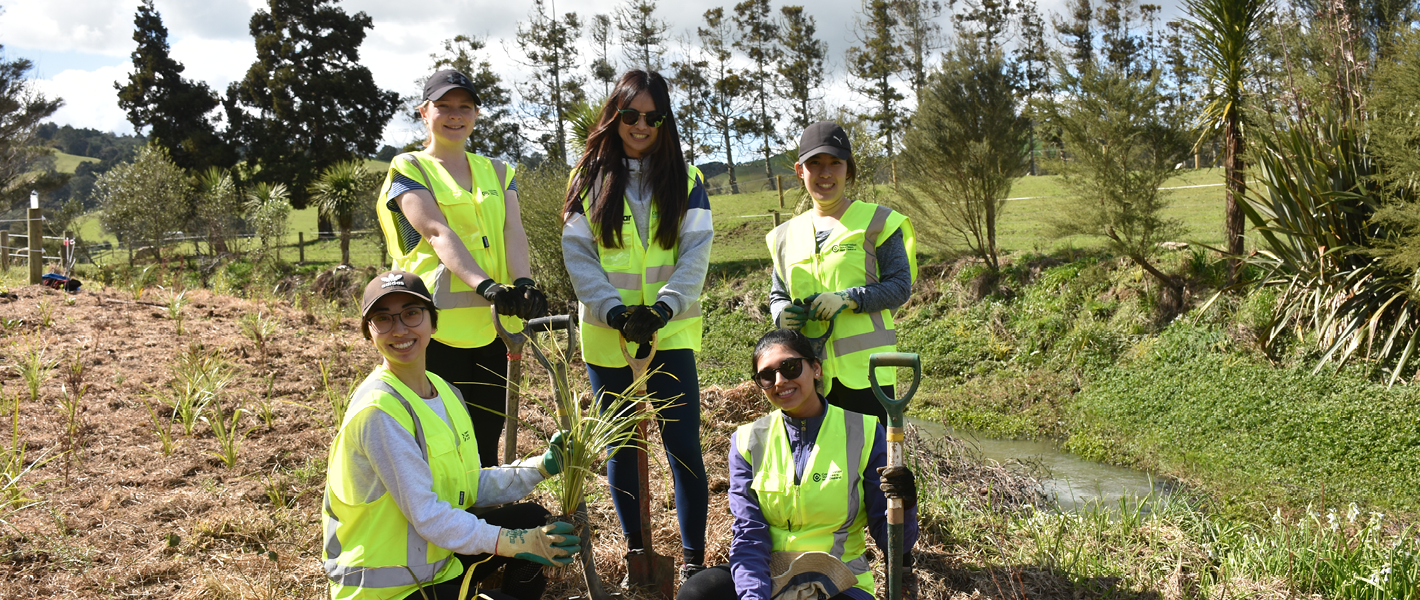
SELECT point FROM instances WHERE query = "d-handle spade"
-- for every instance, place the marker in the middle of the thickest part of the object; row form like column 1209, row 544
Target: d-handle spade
column 646, row 569
column 895, row 407
column 514, row 342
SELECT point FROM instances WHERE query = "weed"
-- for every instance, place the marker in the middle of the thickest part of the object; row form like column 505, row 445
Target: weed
column 46, row 314
column 8, row 323
column 259, row 328
column 279, row 491
column 227, row 429
column 176, row 302
column 335, row 398
column 162, row 427
column 33, row 367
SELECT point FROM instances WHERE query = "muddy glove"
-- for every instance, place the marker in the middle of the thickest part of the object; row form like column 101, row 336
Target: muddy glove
column 644, row 321
column 899, row 482
column 557, row 450
column 501, row 296
column 551, row 545
column 532, row 303
column 827, row 305
column 793, row 316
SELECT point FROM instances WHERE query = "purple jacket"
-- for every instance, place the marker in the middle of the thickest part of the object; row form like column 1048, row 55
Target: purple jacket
column 751, row 545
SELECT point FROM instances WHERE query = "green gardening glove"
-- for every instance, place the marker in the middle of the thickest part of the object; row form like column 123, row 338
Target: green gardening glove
column 557, row 449
column 550, row 545
column 827, row 305
column 794, row 315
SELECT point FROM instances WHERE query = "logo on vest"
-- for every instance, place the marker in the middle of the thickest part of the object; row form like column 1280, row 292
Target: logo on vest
column 836, row 248
column 392, row 279
column 829, row 476
column 465, row 436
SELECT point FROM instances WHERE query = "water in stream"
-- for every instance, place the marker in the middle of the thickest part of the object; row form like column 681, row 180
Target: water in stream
column 1075, row 482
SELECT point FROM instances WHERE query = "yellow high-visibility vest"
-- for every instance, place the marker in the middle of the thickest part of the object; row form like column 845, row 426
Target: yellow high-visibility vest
column 848, row 258
column 824, row 511
column 371, row 550
column 477, row 216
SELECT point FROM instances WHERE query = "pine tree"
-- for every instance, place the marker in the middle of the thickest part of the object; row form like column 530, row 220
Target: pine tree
column 307, row 103
column 758, row 39
column 1032, row 65
column 498, row 132
column 1118, row 42
column 691, row 92
column 802, row 67
column 22, row 152
column 550, row 44
column 875, row 62
column 986, row 21
column 1078, row 33
column 728, row 87
column 921, row 37
column 643, row 36
column 603, row 69
column 175, row 112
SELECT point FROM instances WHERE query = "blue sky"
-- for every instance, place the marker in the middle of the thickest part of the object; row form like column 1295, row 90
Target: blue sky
column 80, row 47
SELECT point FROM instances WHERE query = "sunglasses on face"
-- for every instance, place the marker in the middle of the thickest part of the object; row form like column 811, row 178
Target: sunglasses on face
column 632, row 116
column 412, row 317
column 790, row 368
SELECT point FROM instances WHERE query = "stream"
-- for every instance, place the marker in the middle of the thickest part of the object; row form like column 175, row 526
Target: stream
column 1076, row 483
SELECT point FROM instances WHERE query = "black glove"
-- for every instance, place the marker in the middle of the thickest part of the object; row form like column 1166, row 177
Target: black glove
column 899, row 482
column 616, row 317
column 532, row 303
column 643, row 322
column 500, row 295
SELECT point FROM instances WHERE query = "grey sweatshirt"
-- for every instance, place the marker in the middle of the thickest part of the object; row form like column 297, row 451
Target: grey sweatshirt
column 583, row 259
column 386, row 457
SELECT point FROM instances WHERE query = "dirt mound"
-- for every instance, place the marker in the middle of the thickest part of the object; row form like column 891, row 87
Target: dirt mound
column 343, row 282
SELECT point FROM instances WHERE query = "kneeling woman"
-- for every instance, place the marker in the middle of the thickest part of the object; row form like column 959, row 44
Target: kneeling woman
column 404, row 473
column 805, row 478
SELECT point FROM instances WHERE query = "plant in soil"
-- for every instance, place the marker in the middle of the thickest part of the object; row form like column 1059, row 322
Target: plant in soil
column 71, row 409
column 259, row 327
column 46, row 314
column 14, row 491
column 33, row 367
column 227, row 429
column 198, row 378
column 266, row 405
column 176, row 302
column 336, row 398
column 162, row 426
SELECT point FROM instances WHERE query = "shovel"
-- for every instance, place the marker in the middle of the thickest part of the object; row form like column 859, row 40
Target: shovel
column 514, row 342
column 646, row 569
column 895, row 407
column 558, row 371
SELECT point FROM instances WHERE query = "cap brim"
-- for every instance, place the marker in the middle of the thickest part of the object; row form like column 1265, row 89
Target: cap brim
column 439, row 93
column 830, row 150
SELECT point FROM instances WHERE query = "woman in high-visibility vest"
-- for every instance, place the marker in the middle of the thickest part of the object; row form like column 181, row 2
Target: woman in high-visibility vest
column 851, row 262
column 452, row 218
column 404, row 477
column 806, row 478
column 636, row 240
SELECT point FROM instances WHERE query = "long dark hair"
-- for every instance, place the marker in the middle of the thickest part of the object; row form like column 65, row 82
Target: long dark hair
column 603, row 162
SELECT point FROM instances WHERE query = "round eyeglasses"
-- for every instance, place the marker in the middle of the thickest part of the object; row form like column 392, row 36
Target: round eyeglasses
column 412, row 317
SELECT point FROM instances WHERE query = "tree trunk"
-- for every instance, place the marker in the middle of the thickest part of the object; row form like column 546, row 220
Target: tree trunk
column 730, row 157
column 345, row 246
column 1236, row 187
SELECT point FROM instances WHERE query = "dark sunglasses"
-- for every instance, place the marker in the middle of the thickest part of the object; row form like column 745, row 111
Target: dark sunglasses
column 412, row 317
column 631, row 117
column 790, row 368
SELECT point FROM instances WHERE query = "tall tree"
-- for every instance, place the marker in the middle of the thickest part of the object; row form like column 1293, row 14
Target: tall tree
column 603, row 68
column 1118, row 42
column 340, row 193
column 643, row 36
column 692, row 93
column 498, row 133
column 307, row 102
column 176, row 112
column 550, row 44
column 874, row 63
column 801, row 70
column 965, row 148
column 1226, row 33
column 1077, row 33
column 758, row 39
column 724, row 107
column 22, row 152
column 987, row 21
column 1032, row 65
column 921, row 37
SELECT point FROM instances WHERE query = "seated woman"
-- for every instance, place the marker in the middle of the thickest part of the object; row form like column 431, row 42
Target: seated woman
column 404, row 475
column 804, row 481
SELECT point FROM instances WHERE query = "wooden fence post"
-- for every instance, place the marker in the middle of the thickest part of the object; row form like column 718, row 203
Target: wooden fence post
column 4, row 250
column 776, row 217
column 779, row 185
column 36, row 245
column 301, row 246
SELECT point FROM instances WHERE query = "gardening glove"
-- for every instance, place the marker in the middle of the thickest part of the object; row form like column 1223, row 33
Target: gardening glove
column 557, row 450
column 794, row 316
column 827, row 305
column 550, row 545
column 899, row 482
column 532, row 302
column 616, row 317
column 500, row 295
column 645, row 322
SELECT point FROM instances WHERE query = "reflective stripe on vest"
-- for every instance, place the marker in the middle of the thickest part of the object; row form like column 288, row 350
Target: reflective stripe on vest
column 478, row 218
column 421, row 563
column 841, row 429
column 638, row 273
column 806, row 269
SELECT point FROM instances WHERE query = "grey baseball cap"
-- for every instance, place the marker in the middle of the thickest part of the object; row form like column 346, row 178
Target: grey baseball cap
column 824, row 137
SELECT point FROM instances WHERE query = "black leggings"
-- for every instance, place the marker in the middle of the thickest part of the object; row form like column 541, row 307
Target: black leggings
column 716, row 583
column 859, row 401
column 481, row 376
column 522, row 579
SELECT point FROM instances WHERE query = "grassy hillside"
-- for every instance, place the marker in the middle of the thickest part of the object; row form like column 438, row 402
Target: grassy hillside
column 66, row 163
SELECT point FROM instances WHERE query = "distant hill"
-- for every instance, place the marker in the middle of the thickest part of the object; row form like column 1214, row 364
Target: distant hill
column 750, row 175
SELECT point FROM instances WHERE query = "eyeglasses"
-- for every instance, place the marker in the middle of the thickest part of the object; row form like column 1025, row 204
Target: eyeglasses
column 631, row 117
column 412, row 317
column 790, row 368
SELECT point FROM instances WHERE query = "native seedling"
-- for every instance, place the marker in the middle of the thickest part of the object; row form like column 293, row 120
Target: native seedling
column 138, row 284
column 259, row 328
column 227, row 429
column 266, row 406
column 73, row 426
column 198, row 378
column 46, row 314
column 176, row 302
column 33, row 367
column 336, row 398
column 162, row 426
column 14, row 487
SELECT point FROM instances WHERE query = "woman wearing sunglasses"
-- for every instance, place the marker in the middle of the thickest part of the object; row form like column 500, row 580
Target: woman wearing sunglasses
column 404, row 476
column 452, row 218
column 804, row 480
column 850, row 262
column 636, row 241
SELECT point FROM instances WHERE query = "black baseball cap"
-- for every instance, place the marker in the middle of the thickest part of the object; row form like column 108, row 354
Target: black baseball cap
column 392, row 282
column 441, row 82
column 824, row 137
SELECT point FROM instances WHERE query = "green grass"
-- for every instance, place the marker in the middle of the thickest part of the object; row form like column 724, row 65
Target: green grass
column 66, row 163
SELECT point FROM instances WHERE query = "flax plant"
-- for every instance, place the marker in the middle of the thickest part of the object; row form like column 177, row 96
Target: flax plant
column 198, row 378
column 336, row 398
column 176, row 302
column 259, row 328
column 227, row 429
column 46, row 314
column 162, row 427
column 33, row 367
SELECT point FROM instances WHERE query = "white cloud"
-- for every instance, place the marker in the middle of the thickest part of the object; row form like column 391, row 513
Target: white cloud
column 90, row 99
column 216, row 62
column 94, row 26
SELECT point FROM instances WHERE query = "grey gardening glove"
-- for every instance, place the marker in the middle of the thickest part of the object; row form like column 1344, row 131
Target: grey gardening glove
column 551, row 545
